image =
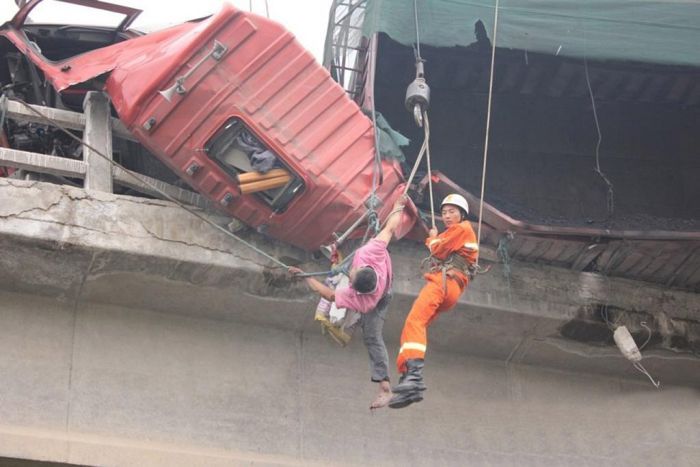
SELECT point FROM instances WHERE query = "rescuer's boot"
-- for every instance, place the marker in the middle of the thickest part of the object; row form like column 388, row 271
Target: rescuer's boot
column 404, row 399
column 412, row 380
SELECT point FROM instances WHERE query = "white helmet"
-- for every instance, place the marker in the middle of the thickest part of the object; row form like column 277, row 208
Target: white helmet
column 456, row 200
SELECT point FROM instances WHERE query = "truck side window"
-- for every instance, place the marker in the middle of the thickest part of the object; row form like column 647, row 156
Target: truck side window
column 257, row 169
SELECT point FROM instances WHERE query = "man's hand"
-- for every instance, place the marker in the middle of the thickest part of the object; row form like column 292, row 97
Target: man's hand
column 393, row 220
column 432, row 232
column 294, row 272
column 400, row 203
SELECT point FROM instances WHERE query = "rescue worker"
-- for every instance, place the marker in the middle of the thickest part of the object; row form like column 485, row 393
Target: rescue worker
column 369, row 294
column 453, row 255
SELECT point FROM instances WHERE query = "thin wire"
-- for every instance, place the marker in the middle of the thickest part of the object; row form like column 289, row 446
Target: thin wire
column 426, row 125
column 644, row 324
column 267, row 10
column 415, row 18
column 610, row 202
column 422, row 151
column 425, row 148
column 153, row 187
column 604, row 314
column 488, row 126
column 642, row 370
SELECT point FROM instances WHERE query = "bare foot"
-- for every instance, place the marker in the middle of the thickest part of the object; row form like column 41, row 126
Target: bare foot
column 384, row 396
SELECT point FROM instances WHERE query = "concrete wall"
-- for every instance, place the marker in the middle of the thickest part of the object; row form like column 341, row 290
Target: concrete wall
column 109, row 385
column 132, row 334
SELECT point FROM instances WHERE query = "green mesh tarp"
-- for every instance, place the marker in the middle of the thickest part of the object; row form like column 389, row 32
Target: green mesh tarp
column 666, row 31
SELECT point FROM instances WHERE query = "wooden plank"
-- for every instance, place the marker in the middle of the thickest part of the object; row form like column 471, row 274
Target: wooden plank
column 630, row 262
column 685, row 269
column 665, row 258
column 42, row 163
column 488, row 235
column 66, row 118
column 554, row 250
column 514, row 245
column 692, row 281
column 670, row 262
column 611, row 256
column 541, row 247
column 525, row 248
column 587, row 254
column 652, row 271
column 637, row 271
column 511, row 244
column 569, row 254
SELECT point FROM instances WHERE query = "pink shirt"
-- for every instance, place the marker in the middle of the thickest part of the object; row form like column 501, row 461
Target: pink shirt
column 375, row 255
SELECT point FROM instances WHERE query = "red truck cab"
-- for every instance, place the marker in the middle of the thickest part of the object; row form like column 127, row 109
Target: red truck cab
column 201, row 94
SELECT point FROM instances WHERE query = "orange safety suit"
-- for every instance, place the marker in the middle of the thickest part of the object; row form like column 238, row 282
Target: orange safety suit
column 436, row 296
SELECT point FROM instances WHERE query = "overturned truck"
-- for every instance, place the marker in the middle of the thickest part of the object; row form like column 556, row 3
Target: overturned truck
column 232, row 104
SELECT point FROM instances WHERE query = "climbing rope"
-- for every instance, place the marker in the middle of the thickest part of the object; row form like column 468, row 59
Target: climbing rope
column 417, row 101
column 488, row 126
column 426, row 124
column 377, row 175
column 418, row 158
column 373, row 223
column 424, row 150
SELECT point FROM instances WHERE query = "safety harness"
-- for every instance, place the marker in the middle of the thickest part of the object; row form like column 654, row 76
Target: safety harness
column 453, row 261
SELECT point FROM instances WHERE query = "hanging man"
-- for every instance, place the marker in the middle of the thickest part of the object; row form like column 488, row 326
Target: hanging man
column 369, row 294
column 453, row 255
